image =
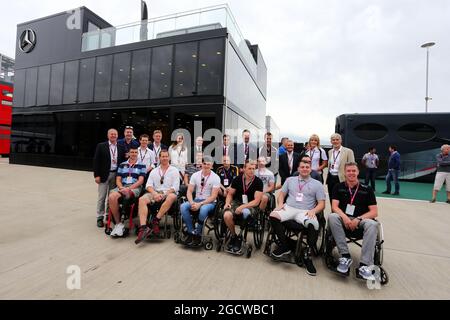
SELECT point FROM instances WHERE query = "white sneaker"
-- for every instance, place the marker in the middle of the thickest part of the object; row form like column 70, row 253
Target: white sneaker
column 344, row 264
column 118, row 230
column 366, row 273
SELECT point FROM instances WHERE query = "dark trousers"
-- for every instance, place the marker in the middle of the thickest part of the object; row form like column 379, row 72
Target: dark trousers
column 331, row 182
column 371, row 173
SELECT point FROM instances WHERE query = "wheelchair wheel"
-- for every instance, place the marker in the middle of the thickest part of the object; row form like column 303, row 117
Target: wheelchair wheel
column 258, row 230
column 219, row 246
column 176, row 237
column 384, row 276
column 249, row 251
column 126, row 232
column 168, row 234
column 209, row 245
column 319, row 249
column 378, row 256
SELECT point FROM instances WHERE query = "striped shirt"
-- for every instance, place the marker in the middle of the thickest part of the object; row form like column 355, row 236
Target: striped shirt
column 131, row 173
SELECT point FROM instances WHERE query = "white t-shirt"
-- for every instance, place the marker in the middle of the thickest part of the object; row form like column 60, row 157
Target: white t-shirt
column 266, row 176
column 146, row 157
column 210, row 182
column 315, row 157
column 171, row 179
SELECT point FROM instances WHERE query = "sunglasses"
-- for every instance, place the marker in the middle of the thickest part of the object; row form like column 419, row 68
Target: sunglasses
column 202, row 184
column 129, row 127
column 161, row 181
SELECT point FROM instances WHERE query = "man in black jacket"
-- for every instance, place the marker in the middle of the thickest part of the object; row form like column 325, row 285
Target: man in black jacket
column 108, row 156
column 289, row 162
column 157, row 146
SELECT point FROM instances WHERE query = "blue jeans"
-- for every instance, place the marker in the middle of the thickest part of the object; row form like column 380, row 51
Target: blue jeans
column 392, row 175
column 203, row 213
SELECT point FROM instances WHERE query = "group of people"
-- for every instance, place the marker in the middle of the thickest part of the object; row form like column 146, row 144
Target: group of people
column 123, row 168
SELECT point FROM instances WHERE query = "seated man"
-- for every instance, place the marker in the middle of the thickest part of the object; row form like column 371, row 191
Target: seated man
column 243, row 195
column 306, row 197
column 268, row 179
column 227, row 173
column 162, row 187
column 314, row 174
column 206, row 185
column 129, row 180
column 354, row 206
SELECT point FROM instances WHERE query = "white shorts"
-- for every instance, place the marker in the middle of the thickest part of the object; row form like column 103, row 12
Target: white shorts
column 299, row 215
column 439, row 180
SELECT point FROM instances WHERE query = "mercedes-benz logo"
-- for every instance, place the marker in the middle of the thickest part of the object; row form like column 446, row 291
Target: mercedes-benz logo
column 27, row 40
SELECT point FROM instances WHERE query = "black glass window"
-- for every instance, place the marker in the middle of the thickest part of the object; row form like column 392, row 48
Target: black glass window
column 56, row 83
column 370, row 131
column 417, row 132
column 103, row 78
column 70, row 82
column 86, row 81
column 30, row 87
column 140, row 74
column 19, row 88
column 43, row 85
column 161, row 74
column 210, row 67
column 186, row 56
column 121, row 76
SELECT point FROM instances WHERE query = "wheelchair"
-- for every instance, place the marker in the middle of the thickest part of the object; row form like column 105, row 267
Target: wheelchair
column 297, row 235
column 355, row 237
column 254, row 223
column 271, row 205
column 127, row 210
column 165, row 227
column 180, row 234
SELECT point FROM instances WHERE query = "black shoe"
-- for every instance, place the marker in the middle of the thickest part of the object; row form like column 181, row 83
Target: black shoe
column 434, row 200
column 386, row 192
column 197, row 240
column 395, row 193
column 189, row 239
column 100, row 223
column 310, row 269
column 280, row 251
column 231, row 243
column 448, row 201
column 237, row 244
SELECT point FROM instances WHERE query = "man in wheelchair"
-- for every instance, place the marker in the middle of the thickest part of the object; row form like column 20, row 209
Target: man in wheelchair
column 306, row 198
column 268, row 179
column 162, row 187
column 206, row 185
column 129, row 180
column 244, row 195
column 354, row 208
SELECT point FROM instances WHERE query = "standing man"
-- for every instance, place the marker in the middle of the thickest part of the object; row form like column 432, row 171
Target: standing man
column 245, row 151
column 145, row 155
column 288, row 161
column 393, row 171
column 270, row 153
column 108, row 156
column 338, row 156
column 354, row 206
column 227, row 148
column 128, row 141
column 282, row 149
column 442, row 173
column 157, row 146
column 306, row 199
column 370, row 161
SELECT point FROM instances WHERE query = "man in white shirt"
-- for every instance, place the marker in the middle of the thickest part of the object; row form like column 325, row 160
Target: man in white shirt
column 162, row 187
column 145, row 155
column 157, row 146
column 206, row 185
column 268, row 179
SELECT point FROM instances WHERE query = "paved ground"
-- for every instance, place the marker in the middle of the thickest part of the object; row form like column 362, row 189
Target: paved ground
column 48, row 223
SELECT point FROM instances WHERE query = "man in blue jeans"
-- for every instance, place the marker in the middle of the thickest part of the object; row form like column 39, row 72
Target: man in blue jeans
column 393, row 171
column 206, row 185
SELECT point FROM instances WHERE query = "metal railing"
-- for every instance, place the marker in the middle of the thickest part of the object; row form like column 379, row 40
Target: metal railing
column 209, row 18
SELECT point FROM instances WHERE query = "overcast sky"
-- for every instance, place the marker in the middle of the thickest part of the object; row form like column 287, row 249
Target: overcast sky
column 324, row 58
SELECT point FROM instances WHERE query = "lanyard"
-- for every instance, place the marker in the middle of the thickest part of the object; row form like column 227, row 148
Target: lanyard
column 140, row 155
column 312, row 152
column 300, row 188
column 227, row 175
column 353, row 195
column 204, row 183
column 130, row 168
column 335, row 156
column 113, row 151
column 157, row 150
column 246, row 187
column 162, row 176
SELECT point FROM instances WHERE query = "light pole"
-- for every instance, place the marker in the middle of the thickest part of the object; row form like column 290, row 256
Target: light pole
column 427, row 45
